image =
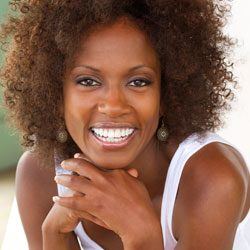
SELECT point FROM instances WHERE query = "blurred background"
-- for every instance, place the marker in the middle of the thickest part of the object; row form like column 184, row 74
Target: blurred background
column 237, row 122
column 10, row 151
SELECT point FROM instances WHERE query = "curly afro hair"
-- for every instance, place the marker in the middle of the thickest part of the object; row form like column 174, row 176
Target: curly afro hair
column 40, row 38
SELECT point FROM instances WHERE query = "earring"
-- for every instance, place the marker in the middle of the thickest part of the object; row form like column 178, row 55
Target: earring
column 62, row 135
column 162, row 132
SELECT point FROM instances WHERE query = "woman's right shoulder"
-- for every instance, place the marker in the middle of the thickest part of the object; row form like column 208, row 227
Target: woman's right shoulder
column 31, row 172
column 35, row 188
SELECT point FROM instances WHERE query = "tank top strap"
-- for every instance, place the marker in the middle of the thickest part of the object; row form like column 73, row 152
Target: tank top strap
column 186, row 149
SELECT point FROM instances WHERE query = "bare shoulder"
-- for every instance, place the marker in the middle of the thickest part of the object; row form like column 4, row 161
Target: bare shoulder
column 213, row 198
column 34, row 190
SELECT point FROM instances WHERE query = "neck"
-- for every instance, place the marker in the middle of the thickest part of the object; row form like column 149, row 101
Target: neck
column 152, row 165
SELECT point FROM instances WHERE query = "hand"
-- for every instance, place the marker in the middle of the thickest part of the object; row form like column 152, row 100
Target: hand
column 61, row 219
column 58, row 226
column 64, row 220
column 116, row 198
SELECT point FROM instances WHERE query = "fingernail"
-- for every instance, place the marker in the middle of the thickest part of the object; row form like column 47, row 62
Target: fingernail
column 55, row 198
column 59, row 178
column 76, row 155
column 62, row 163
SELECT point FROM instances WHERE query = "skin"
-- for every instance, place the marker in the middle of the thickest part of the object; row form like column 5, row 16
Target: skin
column 213, row 177
column 114, row 51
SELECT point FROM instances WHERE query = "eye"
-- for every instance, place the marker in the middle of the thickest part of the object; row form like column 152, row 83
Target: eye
column 87, row 82
column 140, row 83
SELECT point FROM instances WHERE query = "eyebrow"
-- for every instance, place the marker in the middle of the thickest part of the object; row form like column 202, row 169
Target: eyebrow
column 97, row 70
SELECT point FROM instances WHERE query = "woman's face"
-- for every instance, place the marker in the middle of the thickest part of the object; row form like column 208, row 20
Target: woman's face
column 112, row 90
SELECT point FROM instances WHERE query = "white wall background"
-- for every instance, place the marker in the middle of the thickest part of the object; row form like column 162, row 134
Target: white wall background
column 237, row 129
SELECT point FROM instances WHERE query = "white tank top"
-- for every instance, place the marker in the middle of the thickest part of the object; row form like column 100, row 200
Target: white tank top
column 184, row 151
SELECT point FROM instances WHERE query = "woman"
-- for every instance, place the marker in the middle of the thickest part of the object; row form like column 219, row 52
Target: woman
column 120, row 99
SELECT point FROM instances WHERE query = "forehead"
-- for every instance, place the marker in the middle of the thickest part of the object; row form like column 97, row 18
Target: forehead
column 121, row 42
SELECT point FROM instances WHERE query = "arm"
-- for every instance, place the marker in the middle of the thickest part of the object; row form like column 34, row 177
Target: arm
column 146, row 242
column 35, row 188
column 212, row 195
column 54, row 240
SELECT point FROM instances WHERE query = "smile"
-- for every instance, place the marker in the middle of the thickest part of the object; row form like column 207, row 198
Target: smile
column 113, row 137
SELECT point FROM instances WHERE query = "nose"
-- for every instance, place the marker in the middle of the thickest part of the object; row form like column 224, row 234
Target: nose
column 114, row 103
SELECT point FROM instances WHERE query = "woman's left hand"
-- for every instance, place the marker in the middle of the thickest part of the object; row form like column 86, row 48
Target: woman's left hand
column 115, row 197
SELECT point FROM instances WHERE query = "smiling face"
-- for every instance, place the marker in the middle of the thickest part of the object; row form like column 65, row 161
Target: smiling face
column 112, row 95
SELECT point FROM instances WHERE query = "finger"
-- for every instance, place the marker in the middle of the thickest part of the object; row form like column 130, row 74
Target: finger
column 82, row 156
column 79, row 207
column 71, row 193
column 83, row 168
column 75, row 183
column 74, row 203
column 77, row 214
column 87, row 216
column 76, row 193
column 133, row 172
column 80, row 204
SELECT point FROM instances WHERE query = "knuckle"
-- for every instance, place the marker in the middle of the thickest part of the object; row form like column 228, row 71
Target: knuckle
column 113, row 177
column 76, row 194
column 113, row 174
column 72, row 214
column 119, row 172
column 98, row 205
column 96, row 197
column 102, row 179
column 71, row 179
column 118, row 175
column 72, row 202
column 97, row 193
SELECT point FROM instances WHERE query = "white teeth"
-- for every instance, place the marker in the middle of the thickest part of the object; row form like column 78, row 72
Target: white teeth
column 104, row 132
column 123, row 133
column 113, row 134
column 117, row 133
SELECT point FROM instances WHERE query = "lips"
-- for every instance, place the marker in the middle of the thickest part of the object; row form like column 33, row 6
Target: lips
column 112, row 134
column 113, row 142
column 112, row 125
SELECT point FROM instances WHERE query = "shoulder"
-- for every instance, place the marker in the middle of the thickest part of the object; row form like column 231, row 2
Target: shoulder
column 34, row 190
column 28, row 165
column 31, row 173
column 216, row 164
column 212, row 195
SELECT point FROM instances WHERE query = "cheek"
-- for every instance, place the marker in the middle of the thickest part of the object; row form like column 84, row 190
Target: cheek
column 79, row 107
column 76, row 112
column 148, row 110
column 152, row 117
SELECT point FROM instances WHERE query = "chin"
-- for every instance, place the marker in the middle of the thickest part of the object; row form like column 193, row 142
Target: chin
column 111, row 164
